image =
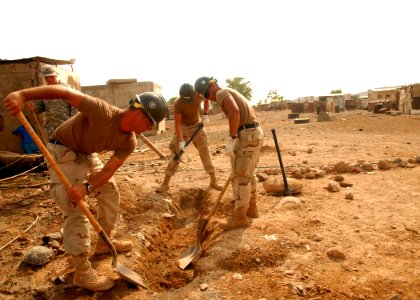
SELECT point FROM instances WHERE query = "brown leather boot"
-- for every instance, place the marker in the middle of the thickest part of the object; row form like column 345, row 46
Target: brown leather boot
column 120, row 246
column 86, row 277
column 164, row 187
column 213, row 182
column 238, row 219
column 252, row 211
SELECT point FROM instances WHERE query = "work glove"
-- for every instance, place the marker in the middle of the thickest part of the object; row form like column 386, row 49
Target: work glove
column 181, row 145
column 205, row 119
column 229, row 147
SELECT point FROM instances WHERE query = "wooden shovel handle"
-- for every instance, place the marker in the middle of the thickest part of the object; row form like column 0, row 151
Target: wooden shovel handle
column 22, row 119
column 203, row 223
column 39, row 128
column 151, row 146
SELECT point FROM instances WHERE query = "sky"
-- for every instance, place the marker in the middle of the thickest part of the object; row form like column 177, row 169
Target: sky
column 297, row 47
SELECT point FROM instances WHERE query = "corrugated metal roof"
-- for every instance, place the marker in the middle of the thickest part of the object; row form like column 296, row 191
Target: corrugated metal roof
column 386, row 89
column 38, row 59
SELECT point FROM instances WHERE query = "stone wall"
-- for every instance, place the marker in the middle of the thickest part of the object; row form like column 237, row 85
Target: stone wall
column 119, row 92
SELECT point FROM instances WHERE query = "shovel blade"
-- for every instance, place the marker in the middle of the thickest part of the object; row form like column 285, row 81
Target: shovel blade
column 130, row 275
column 189, row 256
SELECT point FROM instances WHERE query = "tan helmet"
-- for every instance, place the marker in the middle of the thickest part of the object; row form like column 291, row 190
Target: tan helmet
column 48, row 70
column 154, row 105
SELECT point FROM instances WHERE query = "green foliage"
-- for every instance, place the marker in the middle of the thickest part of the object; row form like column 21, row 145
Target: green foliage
column 336, row 91
column 171, row 101
column 241, row 86
column 273, row 96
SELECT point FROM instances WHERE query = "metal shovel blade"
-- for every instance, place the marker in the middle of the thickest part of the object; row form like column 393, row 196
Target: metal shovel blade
column 189, row 256
column 130, row 275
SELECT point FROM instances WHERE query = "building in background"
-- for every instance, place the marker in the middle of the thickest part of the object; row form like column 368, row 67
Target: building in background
column 24, row 73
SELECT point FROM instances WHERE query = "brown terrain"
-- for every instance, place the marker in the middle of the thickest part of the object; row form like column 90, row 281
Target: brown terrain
column 361, row 242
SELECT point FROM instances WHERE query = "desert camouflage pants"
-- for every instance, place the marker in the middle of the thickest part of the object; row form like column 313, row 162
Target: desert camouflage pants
column 247, row 151
column 77, row 167
column 200, row 143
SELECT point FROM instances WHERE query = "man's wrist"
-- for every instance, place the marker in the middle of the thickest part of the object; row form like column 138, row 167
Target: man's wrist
column 89, row 187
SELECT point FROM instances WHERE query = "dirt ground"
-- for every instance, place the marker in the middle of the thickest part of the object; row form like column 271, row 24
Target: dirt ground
column 282, row 255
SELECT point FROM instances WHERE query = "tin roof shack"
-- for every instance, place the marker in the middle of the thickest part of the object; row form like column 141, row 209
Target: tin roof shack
column 357, row 101
column 325, row 109
column 410, row 99
column 386, row 97
column 24, row 73
column 119, row 92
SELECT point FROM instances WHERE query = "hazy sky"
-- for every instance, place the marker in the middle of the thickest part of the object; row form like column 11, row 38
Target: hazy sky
column 297, row 47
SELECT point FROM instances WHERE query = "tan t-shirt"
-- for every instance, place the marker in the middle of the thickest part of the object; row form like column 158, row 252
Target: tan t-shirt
column 97, row 129
column 190, row 112
column 246, row 112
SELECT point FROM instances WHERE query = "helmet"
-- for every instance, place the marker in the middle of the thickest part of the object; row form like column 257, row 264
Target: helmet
column 48, row 70
column 152, row 104
column 201, row 84
column 187, row 93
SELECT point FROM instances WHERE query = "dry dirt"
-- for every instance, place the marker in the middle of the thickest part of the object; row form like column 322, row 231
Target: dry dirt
column 282, row 255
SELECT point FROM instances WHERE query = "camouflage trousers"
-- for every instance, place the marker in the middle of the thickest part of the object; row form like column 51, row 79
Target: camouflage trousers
column 247, row 151
column 78, row 167
column 200, row 143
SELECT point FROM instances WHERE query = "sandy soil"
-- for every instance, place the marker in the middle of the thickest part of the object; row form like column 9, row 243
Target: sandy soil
column 372, row 239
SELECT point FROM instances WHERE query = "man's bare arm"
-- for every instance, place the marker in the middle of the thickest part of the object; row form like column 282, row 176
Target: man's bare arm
column 15, row 102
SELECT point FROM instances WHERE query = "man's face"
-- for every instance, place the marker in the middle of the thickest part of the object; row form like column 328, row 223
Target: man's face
column 142, row 122
column 210, row 92
column 50, row 80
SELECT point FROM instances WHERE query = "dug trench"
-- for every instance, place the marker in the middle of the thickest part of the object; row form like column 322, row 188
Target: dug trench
column 161, row 228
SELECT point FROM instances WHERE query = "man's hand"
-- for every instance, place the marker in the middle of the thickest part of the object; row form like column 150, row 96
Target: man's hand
column 181, row 145
column 14, row 103
column 229, row 147
column 205, row 119
column 77, row 192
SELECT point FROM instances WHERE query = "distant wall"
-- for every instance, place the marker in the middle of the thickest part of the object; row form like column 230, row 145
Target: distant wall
column 119, row 92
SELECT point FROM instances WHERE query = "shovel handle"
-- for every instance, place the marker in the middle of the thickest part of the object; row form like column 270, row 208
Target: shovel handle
column 179, row 154
column 151, row 145
column 22, row 119
column 287, row 192
column 205, row 220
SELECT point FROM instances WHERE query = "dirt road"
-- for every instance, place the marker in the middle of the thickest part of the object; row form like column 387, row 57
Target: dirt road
column 332, row 246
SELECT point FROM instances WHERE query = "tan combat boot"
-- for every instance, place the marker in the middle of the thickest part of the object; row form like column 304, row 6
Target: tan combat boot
column 238, row 219
column 86, row 277
column 252, row 211
column 120, row 246
column 164, row 187
column 213, row 182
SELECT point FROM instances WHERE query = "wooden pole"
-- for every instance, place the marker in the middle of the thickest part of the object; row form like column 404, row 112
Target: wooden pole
column 152, row 146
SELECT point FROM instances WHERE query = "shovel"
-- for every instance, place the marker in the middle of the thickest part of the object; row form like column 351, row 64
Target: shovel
column 120, row 269
column 181, row 152
column 287, row 191
column 194, row 251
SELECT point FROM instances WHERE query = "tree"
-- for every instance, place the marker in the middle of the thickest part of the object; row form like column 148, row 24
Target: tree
column 273, row 96
column 171, row 100
column 336, row 91
column 241, row 86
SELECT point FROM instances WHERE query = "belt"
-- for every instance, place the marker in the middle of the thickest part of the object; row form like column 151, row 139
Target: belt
column 56, row 142
column 248, row 126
